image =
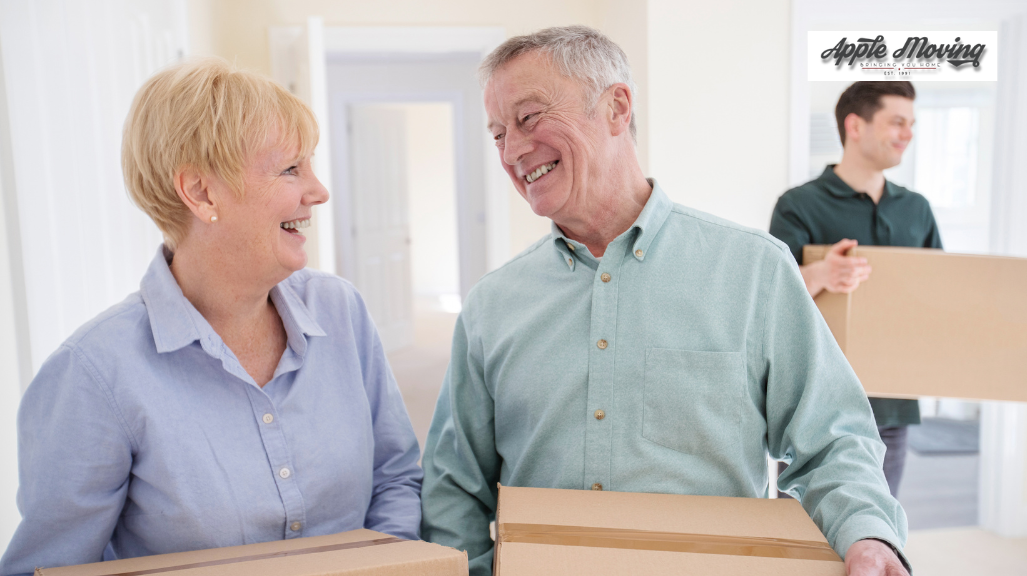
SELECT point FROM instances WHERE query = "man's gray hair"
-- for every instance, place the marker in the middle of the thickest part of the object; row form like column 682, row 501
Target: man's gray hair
column 578, row 52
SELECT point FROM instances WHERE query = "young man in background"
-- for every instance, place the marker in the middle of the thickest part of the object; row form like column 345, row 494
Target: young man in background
column 851, row 203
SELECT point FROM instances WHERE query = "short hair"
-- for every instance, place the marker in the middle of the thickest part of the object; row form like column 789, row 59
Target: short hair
column 207, row 114
column 864, row 100
column 578, row 52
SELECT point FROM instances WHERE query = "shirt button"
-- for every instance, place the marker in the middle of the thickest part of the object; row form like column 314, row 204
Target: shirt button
column 602, row 344
column 295, row 526
column 639, row 253
column 599, row 414
column 597, row 487
column 284, row 473
column 268, row 418
column 605, row 277
column 570, row 247
column 570, row 261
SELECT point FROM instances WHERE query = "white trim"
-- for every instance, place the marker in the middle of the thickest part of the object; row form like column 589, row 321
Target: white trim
column 322, row 153
column 412, row 39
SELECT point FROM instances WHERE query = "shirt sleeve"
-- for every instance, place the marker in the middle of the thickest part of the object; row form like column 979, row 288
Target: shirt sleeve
column 820, row 422
column 395, row 506
column 787, row 226
column 75, row 458
column 933, row 236
column 461, row 465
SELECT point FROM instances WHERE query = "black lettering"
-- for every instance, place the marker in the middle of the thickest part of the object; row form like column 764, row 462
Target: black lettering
column 976, row 53
column 833, row 51
column 911, row 44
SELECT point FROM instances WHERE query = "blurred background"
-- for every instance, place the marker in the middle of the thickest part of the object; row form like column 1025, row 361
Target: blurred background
column 421, row 208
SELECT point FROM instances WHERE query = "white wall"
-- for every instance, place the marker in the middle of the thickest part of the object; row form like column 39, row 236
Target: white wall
column 718, row 103
column 432, row 200
column 10, row 388
column 71, row 71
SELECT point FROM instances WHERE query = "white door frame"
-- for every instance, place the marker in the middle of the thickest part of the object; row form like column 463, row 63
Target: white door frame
column 1002, row 502
column 339, row 113
column 399, row 41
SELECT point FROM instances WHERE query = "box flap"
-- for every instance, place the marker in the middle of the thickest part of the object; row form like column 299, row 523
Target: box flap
column 712, row 515
column 350, row 553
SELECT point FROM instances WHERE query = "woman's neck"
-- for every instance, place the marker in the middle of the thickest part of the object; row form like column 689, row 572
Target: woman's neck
column 226, row 296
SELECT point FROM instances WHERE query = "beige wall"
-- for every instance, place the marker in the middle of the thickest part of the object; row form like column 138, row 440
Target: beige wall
column 718, row 84
column 432, row 198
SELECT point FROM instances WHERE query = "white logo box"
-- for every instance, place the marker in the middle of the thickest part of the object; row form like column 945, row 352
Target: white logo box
column 867, row 60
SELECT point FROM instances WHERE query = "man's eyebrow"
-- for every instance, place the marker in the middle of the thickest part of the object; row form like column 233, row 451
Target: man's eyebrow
column 516, row 105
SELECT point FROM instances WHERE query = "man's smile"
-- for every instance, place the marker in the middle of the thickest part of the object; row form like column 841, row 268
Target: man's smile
column 541, row 171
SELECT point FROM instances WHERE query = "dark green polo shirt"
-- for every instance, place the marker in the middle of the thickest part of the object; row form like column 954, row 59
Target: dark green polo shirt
column 827, row 210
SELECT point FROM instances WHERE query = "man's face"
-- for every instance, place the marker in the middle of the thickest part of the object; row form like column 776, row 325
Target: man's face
column 538, row 120
column 883, row 140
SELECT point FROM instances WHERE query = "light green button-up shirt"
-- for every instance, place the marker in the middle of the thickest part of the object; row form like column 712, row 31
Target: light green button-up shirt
column 697, row 341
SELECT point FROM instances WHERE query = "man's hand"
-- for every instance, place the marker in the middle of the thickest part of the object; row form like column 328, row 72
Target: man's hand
column 872, row 558
column 836, row 272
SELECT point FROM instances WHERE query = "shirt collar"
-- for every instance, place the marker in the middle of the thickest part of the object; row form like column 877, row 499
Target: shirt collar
column 645, row 229
column 839, row 189
column 176, row 323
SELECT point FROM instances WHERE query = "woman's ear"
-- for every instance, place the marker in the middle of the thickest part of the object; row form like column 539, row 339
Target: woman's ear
column 194, row 189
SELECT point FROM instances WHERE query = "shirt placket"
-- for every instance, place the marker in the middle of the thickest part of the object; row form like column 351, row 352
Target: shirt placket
column 280, row 458
column 600, row 412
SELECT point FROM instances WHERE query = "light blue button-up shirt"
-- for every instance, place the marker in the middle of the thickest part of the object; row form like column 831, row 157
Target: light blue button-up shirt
column 144, row 435
column 696, row 339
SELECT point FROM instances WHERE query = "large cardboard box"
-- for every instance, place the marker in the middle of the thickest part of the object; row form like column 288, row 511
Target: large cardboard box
column 594, row 533
column 356, row 553
column 927, row 323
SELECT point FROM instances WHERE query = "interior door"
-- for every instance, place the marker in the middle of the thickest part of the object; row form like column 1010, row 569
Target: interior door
column 381, row 231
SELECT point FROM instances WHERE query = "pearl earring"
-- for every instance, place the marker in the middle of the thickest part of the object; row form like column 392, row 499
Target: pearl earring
column 213, row 219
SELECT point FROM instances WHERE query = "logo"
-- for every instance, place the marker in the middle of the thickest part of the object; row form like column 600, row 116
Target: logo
column 934, row 56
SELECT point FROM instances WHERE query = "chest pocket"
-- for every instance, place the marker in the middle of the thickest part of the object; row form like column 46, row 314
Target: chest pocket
column 693, row 400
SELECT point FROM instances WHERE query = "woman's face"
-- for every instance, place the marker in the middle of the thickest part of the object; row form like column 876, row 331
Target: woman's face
column 263, row 227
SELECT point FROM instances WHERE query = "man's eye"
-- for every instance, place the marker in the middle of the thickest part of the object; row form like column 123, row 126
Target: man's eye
column 498, row 138
column 528, row 117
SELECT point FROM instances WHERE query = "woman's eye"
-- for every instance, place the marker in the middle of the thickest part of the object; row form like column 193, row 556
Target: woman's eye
column 290, row 171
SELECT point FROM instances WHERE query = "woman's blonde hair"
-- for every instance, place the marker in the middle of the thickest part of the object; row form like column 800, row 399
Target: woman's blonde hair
column 208, row 115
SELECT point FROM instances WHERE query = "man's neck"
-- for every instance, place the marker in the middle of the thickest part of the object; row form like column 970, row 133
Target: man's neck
column 224, row 294
column 861, row 176
column 611, row 210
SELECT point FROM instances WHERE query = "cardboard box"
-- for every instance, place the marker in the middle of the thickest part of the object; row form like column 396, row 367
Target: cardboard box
column 594, row 533
column 360, row 552
column 927, row 323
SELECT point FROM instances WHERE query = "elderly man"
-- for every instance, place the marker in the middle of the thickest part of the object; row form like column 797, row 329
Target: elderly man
column 642, row 346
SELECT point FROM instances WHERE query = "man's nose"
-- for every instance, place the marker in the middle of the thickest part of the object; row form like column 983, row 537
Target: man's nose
column 515, row 147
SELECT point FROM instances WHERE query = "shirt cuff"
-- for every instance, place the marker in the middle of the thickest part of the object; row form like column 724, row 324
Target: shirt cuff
column 865, row 527
column 905, row 563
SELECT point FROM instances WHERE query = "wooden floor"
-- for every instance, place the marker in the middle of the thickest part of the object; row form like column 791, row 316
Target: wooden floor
column 965, row 552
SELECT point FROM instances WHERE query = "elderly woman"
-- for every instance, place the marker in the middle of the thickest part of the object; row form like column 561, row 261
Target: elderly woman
column 237, row 397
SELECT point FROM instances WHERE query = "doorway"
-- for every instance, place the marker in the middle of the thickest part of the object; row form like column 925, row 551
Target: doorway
column 403, row 214
column 410, row 121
